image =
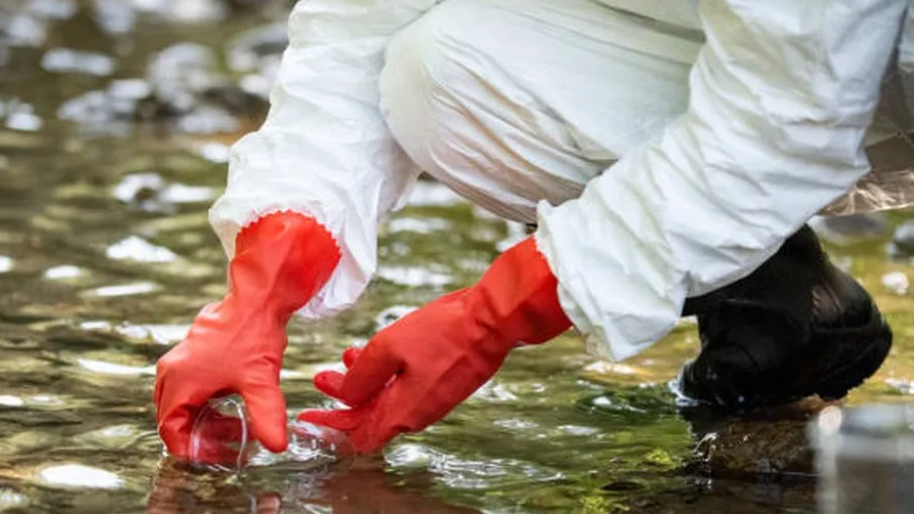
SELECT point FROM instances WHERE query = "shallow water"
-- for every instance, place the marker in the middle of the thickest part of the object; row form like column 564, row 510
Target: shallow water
column 106, row 255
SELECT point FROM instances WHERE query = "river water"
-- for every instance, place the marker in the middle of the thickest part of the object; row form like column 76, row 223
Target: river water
column 106, row 256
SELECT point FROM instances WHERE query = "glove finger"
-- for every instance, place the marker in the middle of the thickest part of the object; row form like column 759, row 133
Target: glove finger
column 174, row 430
column 266, row 408
column 329, row 383
column 177, row 412
column 386, row 418
column 344, row 420
column 369, row 373
column 350, row 356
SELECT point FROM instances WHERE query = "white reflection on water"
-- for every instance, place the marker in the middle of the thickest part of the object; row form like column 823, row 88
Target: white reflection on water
column 78, row 475
column 418, row 225
column 10, row 500
column 62, row 272
column 161, row 334
column 136, row 249
column 11, row 401
column 109, row 368
column 124, row 290
column 433, row 193
column 461, row 473
column 414, row 276
column 66, row 60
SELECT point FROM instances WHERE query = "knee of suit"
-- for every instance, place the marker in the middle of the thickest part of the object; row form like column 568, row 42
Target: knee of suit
column 456, row 108
column 441, row 106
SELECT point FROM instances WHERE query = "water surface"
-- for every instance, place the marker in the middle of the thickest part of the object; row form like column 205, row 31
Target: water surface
column 106, row 255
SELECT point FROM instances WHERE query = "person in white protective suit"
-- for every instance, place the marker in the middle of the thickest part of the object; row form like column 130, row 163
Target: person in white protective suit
column 669, row 153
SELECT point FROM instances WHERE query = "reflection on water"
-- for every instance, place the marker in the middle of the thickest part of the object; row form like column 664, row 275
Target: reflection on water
column 106, row 256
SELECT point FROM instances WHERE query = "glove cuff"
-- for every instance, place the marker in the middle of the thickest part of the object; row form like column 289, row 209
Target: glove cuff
column 517, row 298
column 281, row 261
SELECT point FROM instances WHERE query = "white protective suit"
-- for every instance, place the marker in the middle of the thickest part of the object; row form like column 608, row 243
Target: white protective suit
column 664, row 147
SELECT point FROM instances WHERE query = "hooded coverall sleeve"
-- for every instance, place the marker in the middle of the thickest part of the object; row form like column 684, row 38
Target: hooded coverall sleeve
column 324, row 149
column 781, row 97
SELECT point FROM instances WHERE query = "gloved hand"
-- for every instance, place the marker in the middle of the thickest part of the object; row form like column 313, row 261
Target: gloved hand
column 236, row 345
column 414, row 372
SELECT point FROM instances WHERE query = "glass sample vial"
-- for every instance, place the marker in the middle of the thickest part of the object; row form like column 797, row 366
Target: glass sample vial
column 865, row 459
column 221, row 438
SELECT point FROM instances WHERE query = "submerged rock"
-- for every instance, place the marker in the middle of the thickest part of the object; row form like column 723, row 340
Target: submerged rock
column 743, row 448
column 182, row 88
column 149, row 192
column 109, row 109
column 66, row 60
column 51, row 9
column 902, row 245
column 767, row 442
column 896, row 282
column 247, row 51
column 118, row 17
column 855, row 228
column 26, row 24
column 257, row 54
column 183, row 11
column 115, row 17
column 22, row 30
column 19, row 115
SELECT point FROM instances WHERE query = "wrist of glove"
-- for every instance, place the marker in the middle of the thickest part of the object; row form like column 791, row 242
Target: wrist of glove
column 414, row 372
column 236, row 345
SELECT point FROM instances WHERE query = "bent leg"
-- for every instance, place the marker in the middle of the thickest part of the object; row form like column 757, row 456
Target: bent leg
column 514, row 102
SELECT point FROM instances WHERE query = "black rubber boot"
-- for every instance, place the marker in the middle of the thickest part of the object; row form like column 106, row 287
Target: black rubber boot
column 798, row 326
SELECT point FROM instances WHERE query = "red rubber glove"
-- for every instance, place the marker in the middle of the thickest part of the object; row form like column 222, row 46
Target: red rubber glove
column 414, row 372
column 236, row 345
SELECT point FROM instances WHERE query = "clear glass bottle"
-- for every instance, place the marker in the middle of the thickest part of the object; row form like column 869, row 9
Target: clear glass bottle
column 221, row 439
